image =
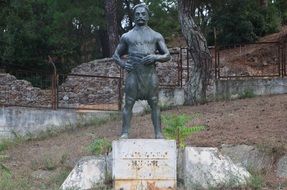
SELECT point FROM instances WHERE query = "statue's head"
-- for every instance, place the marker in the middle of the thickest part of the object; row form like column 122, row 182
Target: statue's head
column 141, row 14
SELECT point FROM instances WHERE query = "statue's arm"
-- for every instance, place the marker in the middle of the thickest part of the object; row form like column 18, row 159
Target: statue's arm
column 163, row 55
column 120, row 51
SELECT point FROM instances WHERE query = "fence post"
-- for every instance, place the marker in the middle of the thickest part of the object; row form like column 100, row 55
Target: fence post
column 187, row 62
column 283, row 58
column 54, row 98
column 180, row 69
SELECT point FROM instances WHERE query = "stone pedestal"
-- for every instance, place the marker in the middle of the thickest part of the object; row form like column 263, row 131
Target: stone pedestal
column 137, row 162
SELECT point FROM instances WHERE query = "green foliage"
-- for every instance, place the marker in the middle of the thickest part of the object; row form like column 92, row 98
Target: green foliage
column 30, row 30
column 100, row 147
column 3, row 146
column 8, row 182
column 243, row 21
column 256, row 182
column 164, row 17
column 73, row 32
column 247, row 94
column 57, row 180
column 281, row 6
column 175, row 128
column 49, row 163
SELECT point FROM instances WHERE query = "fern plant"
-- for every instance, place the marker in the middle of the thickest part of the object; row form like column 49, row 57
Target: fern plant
column 175, row 128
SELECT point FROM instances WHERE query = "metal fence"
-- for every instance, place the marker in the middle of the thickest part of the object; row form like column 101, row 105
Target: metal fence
column 52, row 90
column 256, row 60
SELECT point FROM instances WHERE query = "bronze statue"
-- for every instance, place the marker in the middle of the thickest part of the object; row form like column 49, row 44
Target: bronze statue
column 144, row 48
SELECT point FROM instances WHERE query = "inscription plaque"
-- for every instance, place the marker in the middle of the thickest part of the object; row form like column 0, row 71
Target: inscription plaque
column 138, row 161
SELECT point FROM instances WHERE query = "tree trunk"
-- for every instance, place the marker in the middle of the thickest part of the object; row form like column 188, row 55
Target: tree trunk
column 112, row 25
column 263, row 3
column 199, row 77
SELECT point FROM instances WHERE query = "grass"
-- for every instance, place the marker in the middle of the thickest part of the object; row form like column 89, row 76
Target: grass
column 58, row 166
column 57, row 180
column 272, row 148
column 100, row 147
column 247, row 94
column 98, row 121
column 256, row 182
column 8, row 182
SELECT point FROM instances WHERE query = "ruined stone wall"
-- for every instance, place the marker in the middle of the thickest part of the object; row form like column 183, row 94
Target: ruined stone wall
column 21, row 92
column 77, row 89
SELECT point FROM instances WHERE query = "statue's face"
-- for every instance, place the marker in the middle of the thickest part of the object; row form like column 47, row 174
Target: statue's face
column 141, row 16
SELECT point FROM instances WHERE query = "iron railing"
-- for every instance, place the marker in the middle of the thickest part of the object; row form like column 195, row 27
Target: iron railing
column 77, row 91
column 254, row 60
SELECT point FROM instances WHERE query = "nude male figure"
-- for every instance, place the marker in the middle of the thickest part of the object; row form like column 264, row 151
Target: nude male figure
column 144, row 48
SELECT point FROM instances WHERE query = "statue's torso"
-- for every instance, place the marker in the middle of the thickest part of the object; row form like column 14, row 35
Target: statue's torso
column 141, row 41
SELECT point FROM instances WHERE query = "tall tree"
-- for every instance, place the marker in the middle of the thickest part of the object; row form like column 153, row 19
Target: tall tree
column 112, row 25
column 263, row 3
column 199, row 71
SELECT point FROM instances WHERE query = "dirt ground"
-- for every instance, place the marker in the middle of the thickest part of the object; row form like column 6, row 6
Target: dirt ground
column 255, row 121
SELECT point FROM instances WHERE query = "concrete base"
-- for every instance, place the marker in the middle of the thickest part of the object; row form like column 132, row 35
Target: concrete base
column 15, row 121
column 233, row 89
column 139, row 162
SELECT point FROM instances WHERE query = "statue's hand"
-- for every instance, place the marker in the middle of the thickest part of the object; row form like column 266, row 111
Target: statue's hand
column 128, row 66
column 149, row 59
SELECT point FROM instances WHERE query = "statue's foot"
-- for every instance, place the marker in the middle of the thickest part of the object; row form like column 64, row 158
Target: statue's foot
column 159, row 136
column 124, row 136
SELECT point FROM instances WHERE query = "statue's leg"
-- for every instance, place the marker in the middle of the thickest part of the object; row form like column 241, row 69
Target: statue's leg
column 155, row 116
column 127, row 115
column 130, row 97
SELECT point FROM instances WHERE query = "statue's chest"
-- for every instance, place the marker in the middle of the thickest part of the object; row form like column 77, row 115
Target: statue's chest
column 142, row 40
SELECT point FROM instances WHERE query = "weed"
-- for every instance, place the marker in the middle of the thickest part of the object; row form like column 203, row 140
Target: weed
column 64, row 158
column 45, row 163
column 98, row 121
column 164, row 107
column 58, row 179
column 100, row 147
column 49, row 164
column 8, row 182
column 175, row 128
column 256, row 182
column 7, row 143
column 3, row 146
column 272, row 149
column 34, row 165
column 247, row 94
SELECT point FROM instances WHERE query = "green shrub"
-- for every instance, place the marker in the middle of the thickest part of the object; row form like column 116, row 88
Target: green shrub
column 247, row 94
column 100, row 147
column 175, row 128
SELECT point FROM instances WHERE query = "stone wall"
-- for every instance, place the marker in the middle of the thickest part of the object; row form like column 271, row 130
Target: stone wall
column 21, row 92
column 79, row 90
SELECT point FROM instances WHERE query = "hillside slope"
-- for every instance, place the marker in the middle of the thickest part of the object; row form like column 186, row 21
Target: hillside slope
column 261, row 58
